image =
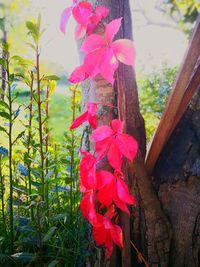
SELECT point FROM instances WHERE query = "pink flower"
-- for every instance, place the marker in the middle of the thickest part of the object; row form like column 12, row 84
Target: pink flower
column 89, row 115
column 115, row 143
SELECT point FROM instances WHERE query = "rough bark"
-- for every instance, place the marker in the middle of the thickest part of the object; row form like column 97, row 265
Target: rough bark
column 147, row 227
column 176, row 179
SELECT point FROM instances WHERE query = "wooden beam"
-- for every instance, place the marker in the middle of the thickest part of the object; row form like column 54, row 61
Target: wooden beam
column 192, row 86
column 175, row 99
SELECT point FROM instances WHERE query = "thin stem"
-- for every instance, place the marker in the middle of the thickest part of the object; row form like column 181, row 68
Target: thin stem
column 2, row 196
column 40, row 123
column 29, row 141
column 72, row 152
column 47, row 150
column 10, row 159
column 56, row 176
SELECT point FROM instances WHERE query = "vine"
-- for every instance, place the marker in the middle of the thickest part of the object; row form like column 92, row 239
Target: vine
column 103, row 191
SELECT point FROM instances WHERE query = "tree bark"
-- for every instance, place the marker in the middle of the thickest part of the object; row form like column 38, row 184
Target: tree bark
column 176, row 179
column 148, row 226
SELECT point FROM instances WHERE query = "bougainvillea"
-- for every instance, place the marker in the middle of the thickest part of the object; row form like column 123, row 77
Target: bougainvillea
column 103, row 191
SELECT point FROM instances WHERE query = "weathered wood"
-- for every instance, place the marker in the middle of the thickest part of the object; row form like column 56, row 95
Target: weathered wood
column 192, row 87
column 176, row 179
column 180, row 86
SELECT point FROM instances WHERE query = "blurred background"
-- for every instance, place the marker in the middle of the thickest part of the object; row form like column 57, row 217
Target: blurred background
column 161, row 31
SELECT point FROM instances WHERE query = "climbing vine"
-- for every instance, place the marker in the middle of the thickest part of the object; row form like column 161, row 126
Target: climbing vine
column 104, row 192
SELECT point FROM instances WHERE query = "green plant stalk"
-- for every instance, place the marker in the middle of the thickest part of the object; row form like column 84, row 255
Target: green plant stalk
column 47, row 150
column 29, row 141
column 56, row 176
column 10, row 157
column 40, row 123
column 2, row 196
column 72, row 153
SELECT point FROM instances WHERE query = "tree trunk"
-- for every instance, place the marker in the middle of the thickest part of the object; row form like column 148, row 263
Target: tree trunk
column 176, row 179
column 148, row 227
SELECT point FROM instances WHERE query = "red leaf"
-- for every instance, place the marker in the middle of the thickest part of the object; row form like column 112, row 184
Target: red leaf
column 101, row 12
column 117, row 126
column 88, row 208
column 127, row 145
column 111, row 29
column 102, row 133
column 80, row 31
column 78, row 75
column 79, row 120
column 116, row 233
column 114, row 155
column 82, row 12
column 124, row 51
column 102, row 147
column 123, row 193
column 64, row 18
column 92, row 42
column 88, row 171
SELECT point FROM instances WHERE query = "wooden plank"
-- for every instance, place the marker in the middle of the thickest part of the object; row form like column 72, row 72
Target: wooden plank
column 172, row 107
column 193, row 85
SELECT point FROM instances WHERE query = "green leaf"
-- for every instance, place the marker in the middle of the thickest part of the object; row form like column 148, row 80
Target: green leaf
column 53, row 263
column 52, row 87
column 4, row 104
column 31, row 46
column 18, row 137
column 23, row 257
column 3, row 63
column 5, row 115
column 49, row 234
column 11, row 78
column 3, row 129
column 51, row 78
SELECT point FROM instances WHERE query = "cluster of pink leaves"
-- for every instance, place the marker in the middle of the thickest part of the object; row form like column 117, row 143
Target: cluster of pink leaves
column 102, row 190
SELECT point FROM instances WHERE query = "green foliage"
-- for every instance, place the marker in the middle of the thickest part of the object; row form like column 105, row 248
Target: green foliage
column 185, row 12
column 40, row 221
column 153, row 92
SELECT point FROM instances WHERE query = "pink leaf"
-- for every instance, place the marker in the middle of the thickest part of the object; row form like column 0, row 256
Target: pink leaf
column 102, row 147
column 88, row 208
column 123, row 193
column 92, row 62
column 81, row 12
column 101, row 12
column 102, row 133
column 107, row 66
column 114, row 155
column 116, row 233
column 64, row 18
column 104, row 196
column 124, row 51
column 92, row 121
column 99, row 235
column 80, row 31
column 78, row 75
column 127, row 145
column 104, row 178
column 92, row 42
column 118, row 126
column 88, row 172
column 111, row 29
column 79, row 120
